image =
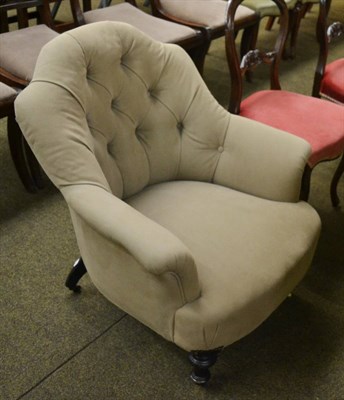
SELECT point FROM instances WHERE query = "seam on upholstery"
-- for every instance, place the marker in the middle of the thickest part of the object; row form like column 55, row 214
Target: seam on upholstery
column 215, row 335
column 99, row 84
column 97, row 130
column 134, row 72
column 204, row 338
column 192, row 101
column 125, row 114
column 87, row 184
column 63, row 87
column 180, row 286
column 148, row 161
column 182, row 295
column 223, row 142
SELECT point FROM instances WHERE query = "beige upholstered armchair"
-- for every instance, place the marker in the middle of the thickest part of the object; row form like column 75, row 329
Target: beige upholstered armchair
column 187, row 218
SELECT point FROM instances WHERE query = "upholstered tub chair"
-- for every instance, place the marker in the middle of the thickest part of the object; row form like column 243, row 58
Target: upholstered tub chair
column 187, row 218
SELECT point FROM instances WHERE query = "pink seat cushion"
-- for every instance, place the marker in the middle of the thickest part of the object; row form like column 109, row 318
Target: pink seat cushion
column 320, row 122
column 332, row 85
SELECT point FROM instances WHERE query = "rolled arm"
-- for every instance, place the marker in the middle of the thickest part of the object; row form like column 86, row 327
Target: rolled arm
column 153, row 246
column 262, row 161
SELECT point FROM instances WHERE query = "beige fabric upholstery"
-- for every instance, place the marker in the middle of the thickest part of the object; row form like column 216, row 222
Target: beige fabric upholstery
column 156, row 28
column 186, row 217
column 211, row 13
column 19, row 49
column 6, row 92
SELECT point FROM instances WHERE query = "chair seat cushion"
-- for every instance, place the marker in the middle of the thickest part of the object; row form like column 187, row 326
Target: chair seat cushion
column 332, row 85
column 20, row 49
column 319, row 122
column 156, row 28
column 267, row 7
column 249, row 254
column 204, row 12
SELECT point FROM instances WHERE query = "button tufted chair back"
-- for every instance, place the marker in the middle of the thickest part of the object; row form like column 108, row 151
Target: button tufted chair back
column 119, row 104
column 211, row 237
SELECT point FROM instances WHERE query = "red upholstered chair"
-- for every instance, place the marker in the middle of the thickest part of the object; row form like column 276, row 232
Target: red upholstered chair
column 329, row 78
column 319, row 122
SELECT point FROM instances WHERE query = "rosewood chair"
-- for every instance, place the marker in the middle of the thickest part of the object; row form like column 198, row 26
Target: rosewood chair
column 20, row 48
column 187, row 218
column 194, row 41
column 268, row 9
column 210, row 14
column 319, row 122
column 22, row 156
column 329, row 77
column 296, row 14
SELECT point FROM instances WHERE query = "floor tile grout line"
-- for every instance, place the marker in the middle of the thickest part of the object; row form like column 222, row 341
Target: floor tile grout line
column 70, row 358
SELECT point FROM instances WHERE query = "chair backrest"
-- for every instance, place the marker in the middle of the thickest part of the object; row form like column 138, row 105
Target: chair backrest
column 253, row 57
column 128, row 111
column 19, row 11
column 325, row 35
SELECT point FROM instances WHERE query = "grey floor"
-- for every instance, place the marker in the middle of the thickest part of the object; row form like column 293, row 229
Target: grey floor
column 60, row 346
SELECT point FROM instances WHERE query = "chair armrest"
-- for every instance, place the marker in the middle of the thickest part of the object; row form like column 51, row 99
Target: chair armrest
column 262, row 161
column 156, row 249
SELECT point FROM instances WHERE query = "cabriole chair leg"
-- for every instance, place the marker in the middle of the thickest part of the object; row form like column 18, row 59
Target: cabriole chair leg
column 306, row 183
column 201, row 362
column 77, row 272
column 334, row 183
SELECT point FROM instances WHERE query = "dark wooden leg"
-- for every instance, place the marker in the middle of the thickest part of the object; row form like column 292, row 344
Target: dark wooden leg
column 199, row 53
column 201, row 362
column 306, row 183
column 334, row 183
column 269, row 23
column 33, row 165
column 295, row 21
column 16, row 143
column 77, row 272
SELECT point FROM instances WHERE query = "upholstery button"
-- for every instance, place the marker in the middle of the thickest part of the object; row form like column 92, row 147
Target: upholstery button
column 220, row 149
column 180, row 126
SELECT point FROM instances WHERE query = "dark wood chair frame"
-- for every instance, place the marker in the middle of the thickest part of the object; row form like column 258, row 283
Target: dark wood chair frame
column 22, row 18
column 24, row 161
column 273, row 58
column 250, row 27
column 325, row 35
column 196, row 47
column 296, row 15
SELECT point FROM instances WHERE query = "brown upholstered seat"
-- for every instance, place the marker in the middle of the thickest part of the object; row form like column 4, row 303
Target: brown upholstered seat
column 209, row 15
column 194, row 41
column 20, row 48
